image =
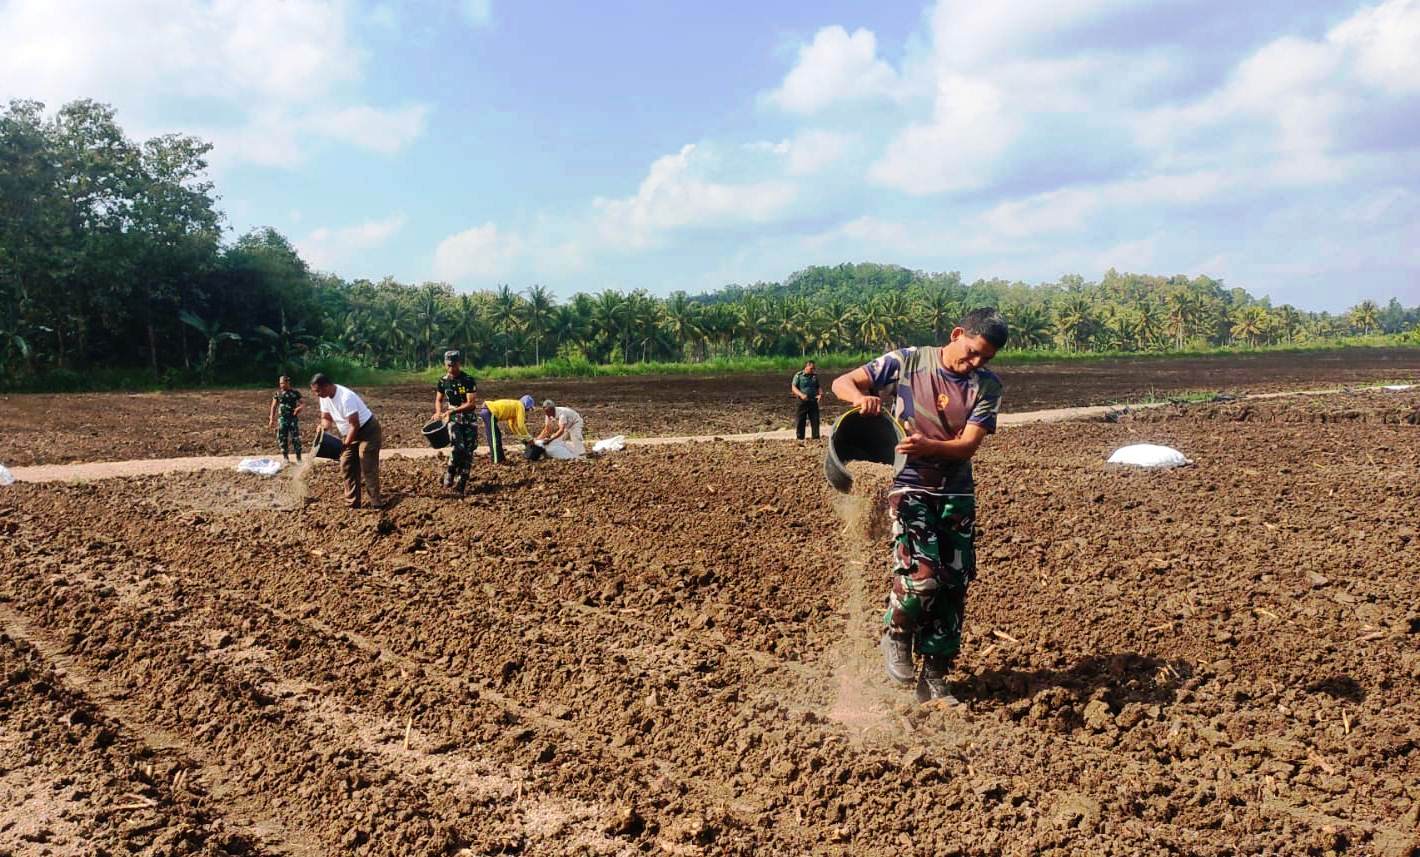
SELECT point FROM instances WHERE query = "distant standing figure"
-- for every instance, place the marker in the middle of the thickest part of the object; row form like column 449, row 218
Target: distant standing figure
column 512, row 413
column 456, row 402
column 286, row 408
column 806, row 389
column 562, row 425
column 344, row 413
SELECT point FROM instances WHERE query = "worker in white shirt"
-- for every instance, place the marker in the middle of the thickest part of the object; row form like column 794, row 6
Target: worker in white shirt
column 345, row 414
column 561, row 427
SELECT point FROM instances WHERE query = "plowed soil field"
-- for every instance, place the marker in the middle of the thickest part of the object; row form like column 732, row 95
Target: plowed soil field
column 671, row 650
column 45, row 429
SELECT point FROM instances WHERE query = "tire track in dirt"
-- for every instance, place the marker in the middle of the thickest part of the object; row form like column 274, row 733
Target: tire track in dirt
column 107, row 702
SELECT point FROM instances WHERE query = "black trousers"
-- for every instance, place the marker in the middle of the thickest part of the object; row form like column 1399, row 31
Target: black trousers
column 807, row 413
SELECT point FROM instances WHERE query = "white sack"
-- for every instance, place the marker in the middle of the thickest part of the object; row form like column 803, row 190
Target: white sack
column 559, row 450
column 6, row 477
column 610, row 444
column 1148, row 455
column 260, row 466
column 1398, row 388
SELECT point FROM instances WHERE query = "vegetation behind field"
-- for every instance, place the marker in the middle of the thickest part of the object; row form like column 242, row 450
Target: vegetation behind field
column 114, row 274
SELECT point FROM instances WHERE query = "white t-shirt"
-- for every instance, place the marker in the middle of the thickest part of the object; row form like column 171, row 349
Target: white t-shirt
column 342, row 405
column 569, row 419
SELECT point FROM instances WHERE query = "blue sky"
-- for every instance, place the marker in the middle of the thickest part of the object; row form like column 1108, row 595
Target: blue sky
column 582, row 146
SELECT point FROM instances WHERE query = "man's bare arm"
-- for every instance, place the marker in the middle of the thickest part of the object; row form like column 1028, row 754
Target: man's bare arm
column 271, row 417
column 856, row 388
column 958, row 449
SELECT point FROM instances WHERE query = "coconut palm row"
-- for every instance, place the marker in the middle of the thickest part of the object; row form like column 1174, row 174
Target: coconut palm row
column 409, row 327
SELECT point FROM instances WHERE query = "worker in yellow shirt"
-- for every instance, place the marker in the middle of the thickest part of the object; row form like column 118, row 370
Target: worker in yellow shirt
column 512, row 413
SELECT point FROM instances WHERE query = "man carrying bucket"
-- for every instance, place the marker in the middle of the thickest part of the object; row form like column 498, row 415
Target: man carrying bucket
column 456, row 401
column 343, row 412
column 948, row 403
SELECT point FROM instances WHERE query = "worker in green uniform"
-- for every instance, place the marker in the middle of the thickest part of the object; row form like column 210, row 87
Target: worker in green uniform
column 456, row 402
column 286, row 409
column 806, row 389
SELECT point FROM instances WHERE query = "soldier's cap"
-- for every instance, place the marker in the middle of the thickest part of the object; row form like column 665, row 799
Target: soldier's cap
column 452, row 356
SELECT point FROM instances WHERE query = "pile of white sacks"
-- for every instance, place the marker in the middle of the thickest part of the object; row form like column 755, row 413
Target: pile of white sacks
column 1148, row 455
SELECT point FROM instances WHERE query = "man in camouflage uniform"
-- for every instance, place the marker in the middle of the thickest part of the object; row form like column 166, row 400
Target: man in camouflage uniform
column 456, row 401
column 286, row 407
column 948, row 404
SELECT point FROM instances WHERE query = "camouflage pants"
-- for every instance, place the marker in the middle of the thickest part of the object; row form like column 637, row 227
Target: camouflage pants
column 464, row 438
column 933, row 560
column 288, row 434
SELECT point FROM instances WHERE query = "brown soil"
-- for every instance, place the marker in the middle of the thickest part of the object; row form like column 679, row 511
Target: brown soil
column 672, row 650
column 45, row 429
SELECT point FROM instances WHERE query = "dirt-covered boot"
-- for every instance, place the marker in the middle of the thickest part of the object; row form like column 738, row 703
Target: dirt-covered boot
column 932, row 683
column 448, row 479
column 462, row 483
column 897, row 656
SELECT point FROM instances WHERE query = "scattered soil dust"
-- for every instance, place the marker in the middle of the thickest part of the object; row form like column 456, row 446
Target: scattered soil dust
column 648, row 652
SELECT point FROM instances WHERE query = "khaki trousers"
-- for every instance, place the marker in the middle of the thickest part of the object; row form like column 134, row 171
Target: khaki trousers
column 362, row 458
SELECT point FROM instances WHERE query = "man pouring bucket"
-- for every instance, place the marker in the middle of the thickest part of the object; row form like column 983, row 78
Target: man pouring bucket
column 346, row 415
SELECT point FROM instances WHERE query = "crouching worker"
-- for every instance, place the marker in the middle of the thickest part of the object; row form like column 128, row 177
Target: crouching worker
column 345, row 414
column 456, row 402
column 498, row 413
column 561, row 434
column 948, row 403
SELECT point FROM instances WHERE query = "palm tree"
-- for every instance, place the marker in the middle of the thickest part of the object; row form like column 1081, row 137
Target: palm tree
column 286, row 342
column 1030, row 327
column 429, row 317
column 1148, row 324
column 1365, row 316
column 939, row 312
column 469, row 328
column 1288, row 321
column 214, row 334
column 609, row 320
column 874, row 325
column 539, row 313
column 505, row 316
column 1075, row 321
column 681, row 319
column 1249, row 323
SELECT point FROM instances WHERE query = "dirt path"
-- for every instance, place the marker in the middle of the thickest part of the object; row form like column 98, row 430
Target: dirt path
column 92, row 471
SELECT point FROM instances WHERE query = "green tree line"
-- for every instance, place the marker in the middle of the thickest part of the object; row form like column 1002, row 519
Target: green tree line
column 112, row 254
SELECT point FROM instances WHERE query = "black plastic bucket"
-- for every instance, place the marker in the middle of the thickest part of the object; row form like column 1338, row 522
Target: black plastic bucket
column 436, row 432
column 859, row 438
column 532, row 451
column 327, row 445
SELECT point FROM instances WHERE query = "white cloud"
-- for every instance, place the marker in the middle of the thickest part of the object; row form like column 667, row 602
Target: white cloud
column 835, row 67
column 967, row 32
column 280, row 70
column 325, row 247
column 478, row 13
column 676, row 194
column 809, row 152
column 957, row 148
column 479, row 253
column 383, row 131
column 1383, row 40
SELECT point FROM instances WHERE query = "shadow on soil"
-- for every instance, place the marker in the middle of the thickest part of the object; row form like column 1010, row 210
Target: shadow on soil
column 1125, row 678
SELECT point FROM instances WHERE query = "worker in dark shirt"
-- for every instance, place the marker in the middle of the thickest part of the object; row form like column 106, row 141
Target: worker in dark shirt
column 806, row 389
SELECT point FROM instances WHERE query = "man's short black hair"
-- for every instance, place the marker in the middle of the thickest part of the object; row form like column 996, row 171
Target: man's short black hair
column 320, row 379
column 986, row 323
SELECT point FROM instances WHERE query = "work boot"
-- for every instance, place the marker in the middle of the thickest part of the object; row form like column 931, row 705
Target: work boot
column 448, row 479
column 897, row 656
column 932, row 683
column 462, row 483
